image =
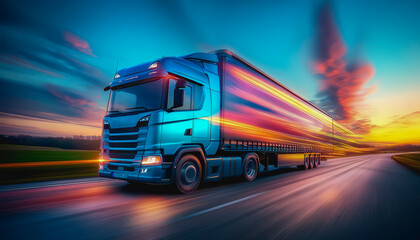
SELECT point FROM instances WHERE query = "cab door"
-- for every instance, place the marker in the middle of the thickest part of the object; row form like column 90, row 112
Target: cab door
column 202, row 115
column 177, row 125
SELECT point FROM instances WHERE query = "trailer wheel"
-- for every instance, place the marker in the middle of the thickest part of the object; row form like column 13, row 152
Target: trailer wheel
column 316, row 160
column 250, row 170
column 188, row 174
column 311, row 160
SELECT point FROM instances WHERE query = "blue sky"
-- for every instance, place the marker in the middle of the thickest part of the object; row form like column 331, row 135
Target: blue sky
column 48, row 77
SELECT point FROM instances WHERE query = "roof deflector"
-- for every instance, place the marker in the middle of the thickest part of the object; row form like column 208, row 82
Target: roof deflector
column 203, row 56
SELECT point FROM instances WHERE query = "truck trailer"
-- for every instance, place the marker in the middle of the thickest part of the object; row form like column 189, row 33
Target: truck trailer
column 204, row 117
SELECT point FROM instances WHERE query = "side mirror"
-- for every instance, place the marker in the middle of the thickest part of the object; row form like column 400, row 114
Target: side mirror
column 181, row 83
column 178, row 97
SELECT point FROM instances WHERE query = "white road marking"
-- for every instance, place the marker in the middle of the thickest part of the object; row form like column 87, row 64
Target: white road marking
column 222, row 206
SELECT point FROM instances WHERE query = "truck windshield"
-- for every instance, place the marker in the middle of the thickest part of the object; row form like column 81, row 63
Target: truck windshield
column 138, row 98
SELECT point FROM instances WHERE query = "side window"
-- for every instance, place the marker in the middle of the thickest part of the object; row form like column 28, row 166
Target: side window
column 171, row 89
column 187, row 99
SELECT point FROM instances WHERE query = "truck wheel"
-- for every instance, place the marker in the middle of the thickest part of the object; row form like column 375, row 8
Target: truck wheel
column 188, row 174
column 250, row 170
column 316, row 160
column 311, row 160
column 305, row 163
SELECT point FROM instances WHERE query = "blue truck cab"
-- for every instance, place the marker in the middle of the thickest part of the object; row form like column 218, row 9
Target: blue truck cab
column 159, row 112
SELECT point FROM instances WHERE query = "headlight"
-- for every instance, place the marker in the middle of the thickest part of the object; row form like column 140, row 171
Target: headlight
column 101, row 164
column 143, row 122
column 151, row 160
column 106, row 124
column 116, row 76
column 153, row 65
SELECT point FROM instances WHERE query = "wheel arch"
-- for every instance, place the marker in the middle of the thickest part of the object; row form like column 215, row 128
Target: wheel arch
column 195, row 150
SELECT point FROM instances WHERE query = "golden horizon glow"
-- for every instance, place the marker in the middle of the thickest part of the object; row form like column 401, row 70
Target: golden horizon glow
column 405, row 129
column 46, row 127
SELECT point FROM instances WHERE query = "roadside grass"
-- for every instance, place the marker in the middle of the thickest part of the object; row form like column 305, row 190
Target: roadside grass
column 26, row 147
column 20, row 153
column 411, row 161
column 23, row 173
column 14, row 175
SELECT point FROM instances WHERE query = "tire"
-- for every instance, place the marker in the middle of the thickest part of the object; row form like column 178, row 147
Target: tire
column 316, row 160
column 188, row 174
column 251, row 166
column 305, row 163
column 311, row 161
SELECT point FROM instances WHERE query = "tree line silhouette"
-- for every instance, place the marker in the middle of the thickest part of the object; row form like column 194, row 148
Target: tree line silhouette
column 75, row 142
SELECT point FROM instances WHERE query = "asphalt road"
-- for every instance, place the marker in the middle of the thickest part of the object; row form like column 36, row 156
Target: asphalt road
column 364, row 197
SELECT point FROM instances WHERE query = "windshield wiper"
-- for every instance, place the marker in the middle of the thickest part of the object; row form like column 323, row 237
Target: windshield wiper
column 114, row 111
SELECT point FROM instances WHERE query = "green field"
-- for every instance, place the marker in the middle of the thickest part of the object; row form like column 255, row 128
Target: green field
column 24, row 154
column 20, row 153
column 411, row 161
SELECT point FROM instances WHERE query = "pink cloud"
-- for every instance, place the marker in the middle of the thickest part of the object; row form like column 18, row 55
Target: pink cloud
column 343, row 83
column 69, row 97
column 76, row 102
column 78, row 43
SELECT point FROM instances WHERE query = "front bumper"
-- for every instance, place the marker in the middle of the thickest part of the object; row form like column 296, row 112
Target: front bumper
column 159, row 174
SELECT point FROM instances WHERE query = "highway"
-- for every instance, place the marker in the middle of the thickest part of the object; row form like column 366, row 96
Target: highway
column 363, row 197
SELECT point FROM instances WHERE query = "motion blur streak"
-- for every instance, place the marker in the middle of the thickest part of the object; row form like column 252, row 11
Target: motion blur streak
column 46, row 163
column 278, row 115
column 369, row 197
column 268, row 106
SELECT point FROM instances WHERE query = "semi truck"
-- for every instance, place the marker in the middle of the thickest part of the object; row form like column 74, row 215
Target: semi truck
column 204, row 117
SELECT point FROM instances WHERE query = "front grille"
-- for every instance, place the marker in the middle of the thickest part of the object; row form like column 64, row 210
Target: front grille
column 122, row 154
column 124, row 137
column 123, row 130
column 123, row 143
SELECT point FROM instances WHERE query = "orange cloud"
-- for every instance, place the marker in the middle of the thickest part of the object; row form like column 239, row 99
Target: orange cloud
column 342, row 83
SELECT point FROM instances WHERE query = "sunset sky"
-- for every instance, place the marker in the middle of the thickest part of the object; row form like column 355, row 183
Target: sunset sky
column 358, row 60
